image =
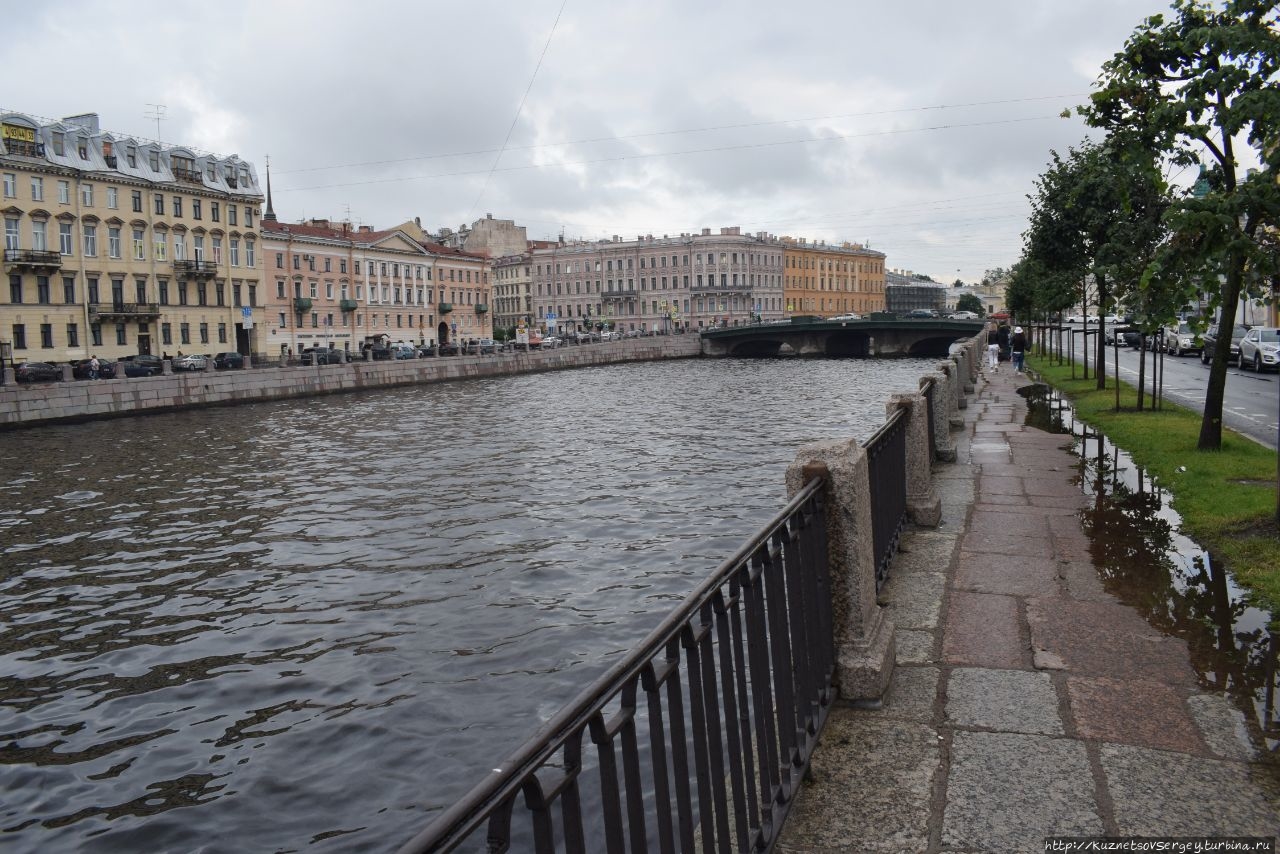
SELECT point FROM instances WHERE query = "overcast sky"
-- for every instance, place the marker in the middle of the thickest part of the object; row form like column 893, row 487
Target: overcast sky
column 917, row 126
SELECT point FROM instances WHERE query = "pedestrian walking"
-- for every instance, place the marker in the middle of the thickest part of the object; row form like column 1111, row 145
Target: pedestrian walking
column 1018, row 345
column 1003, row 333
column 94, row 367
column 993, row 348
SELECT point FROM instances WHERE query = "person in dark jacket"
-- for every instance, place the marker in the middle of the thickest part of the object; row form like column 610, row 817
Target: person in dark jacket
column 1003, row 334
column 1018, row 346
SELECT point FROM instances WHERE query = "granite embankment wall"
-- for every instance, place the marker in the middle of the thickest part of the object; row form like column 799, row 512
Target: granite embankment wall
column 30, row 405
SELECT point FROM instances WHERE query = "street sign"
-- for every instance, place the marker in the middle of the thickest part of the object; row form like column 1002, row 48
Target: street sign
column 247, row 314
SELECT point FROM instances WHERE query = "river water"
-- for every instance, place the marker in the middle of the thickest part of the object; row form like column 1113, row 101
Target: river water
column 308, row 625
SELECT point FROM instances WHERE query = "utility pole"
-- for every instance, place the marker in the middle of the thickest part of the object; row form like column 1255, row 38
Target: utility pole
column 157, row 113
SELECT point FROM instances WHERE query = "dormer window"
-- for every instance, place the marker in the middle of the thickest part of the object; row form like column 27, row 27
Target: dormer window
column 83, row 149
column 59, row 143
column 153, row 159
column 131, row 154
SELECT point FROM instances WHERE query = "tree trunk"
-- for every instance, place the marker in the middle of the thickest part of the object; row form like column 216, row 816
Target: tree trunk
column 1211, row 423
column 1142, row 367
column 1101, row 366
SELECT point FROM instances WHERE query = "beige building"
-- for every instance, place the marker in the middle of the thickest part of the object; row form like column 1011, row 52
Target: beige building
column 335, row 285
column 827, row 280
column 115, row 246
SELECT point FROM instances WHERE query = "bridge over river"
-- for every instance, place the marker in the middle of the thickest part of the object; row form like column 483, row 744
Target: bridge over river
column 877, row 335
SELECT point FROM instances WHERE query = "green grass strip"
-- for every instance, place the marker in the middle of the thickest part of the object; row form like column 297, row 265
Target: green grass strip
column 1226, row 498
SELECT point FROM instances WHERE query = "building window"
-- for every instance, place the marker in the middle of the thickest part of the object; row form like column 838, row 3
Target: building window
column 235, row 252
column 136, row 195
column 213, row 211
column 248, row 217
column 231, row 214
column 11, row 232
column 10, row 185
column 139, row 247
column 179, row 248
column 220, row 289
column 113, row 241
column 37, row 189
column 166, row 333
column 184, row 333
column 90, row 241
column 253, row 295
column 162, row 248
column 281, row 321
column 202, row 293
column 140, row 290
column 342, row 265
column 182, row 293
column 86, row 195
column 279, row 288
column 19, row 336
column 91, row 288
column 248, row 253
column 222, row 333
column 235, row 294
column 95, row 334
column 195, row 209
column 46, row 336
column 120, row 334
column 42, row 290
column 64, row 238
column 279, row 260
column 217, row 250
column 73, row 335
column 15, row 289
column 64, row 192
column 313, row 290
column 177, row 205
column 315, row 320
column 204, row 333
column 68, row 290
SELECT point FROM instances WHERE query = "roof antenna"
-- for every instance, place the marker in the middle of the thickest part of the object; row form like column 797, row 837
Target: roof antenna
column 157, row 113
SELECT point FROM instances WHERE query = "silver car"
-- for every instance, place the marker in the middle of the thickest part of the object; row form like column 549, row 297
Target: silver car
column 1260, row 349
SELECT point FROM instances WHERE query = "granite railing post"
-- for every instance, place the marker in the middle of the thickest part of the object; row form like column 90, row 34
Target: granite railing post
column 944, row 448
column 68, row 374
column 166, row 367
column 9, row 377
column 924, row 506
column 961, row 376
column 863, row 633
column 954, row 393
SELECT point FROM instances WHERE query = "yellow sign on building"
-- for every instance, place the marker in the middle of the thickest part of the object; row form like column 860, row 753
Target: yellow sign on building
column 19, row 133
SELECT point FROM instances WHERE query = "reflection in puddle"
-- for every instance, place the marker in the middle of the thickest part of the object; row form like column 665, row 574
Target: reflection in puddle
column 1145, row 562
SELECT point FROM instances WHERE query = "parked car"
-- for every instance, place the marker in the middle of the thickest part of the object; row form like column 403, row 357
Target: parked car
column 955, row 315
column 919, row 313
column 404, row 351
column 1211, row 343
column 191, row 362
column 228, row 361
column 486, row 346
column 1181, row 340
column 426, row 351
column 1132, row 338
column 141, row 365
column 37, row 372
column 321, row 356
column 80, row 369
column 1260, row 349
column 449, row 348
column 550, row 341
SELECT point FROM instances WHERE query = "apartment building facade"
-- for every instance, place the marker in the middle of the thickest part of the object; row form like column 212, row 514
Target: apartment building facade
column 827, row 280
column 335, row 285
column 688, row 282
column 115, row 246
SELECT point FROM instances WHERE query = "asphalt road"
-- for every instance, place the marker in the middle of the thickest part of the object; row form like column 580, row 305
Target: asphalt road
column 1251, row 403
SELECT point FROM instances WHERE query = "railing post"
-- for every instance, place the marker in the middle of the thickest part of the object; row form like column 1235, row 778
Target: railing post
column 967, row 366
column 944, row 449
column 924, row 507
column 862, row 632
column 954, row 394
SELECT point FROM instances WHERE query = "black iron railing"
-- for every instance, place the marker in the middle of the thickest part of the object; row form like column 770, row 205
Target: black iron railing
column 33, row 257
column 752, row 645
column 887, row 461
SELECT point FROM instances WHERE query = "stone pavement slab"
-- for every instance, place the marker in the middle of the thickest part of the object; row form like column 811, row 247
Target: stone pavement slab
column 1006, row 700
column 1133, row 711
column 983, row 630
column 1006, row 792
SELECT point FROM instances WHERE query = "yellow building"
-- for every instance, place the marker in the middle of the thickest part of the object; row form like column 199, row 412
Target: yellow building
column 115, row 246
column 826, row 280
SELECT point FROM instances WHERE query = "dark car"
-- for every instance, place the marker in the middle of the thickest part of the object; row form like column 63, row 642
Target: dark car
column 448, row 348
column 426, row 351
column 37, row 372
column 321, row 356
column 141, row 366
column 80, row 369
column 228, row 361
column 918, row 313
column 1211, row 343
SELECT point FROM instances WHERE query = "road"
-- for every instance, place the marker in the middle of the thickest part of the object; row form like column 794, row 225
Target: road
column 1251, row 404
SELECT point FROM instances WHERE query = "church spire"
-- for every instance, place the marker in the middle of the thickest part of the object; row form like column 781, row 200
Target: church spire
column 270, row 215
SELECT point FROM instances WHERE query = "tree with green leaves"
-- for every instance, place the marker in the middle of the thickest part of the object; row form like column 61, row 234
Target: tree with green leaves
column 970, row 302
column 1095, row 226
column 1201, row 89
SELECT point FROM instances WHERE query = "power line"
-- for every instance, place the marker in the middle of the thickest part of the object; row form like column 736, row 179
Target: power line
column 519, row 110
column 655, row 155
column 707, row 129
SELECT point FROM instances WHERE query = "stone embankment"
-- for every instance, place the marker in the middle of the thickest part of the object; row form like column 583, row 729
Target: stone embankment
column 30, row 405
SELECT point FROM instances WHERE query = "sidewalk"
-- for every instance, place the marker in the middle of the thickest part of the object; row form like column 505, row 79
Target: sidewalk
column 1026, row 701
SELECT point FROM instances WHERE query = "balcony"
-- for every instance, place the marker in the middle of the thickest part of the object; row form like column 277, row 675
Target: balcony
column 482, row 308
column 631, row 294
column 301, row 304
column 348, row 305
column 22, row 148
column 110, row 160
column 186, row 173
column 194, row 269
column 33, row 259
column 123, row 311
column 445, row 307
column 721, row 289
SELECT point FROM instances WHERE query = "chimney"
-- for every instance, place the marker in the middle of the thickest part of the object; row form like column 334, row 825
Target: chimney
column 88, row 121
column 417, row 220
column 706, row 232
column 366, row 229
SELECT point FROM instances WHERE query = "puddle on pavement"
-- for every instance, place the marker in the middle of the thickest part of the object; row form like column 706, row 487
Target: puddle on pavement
column 1143, row 560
